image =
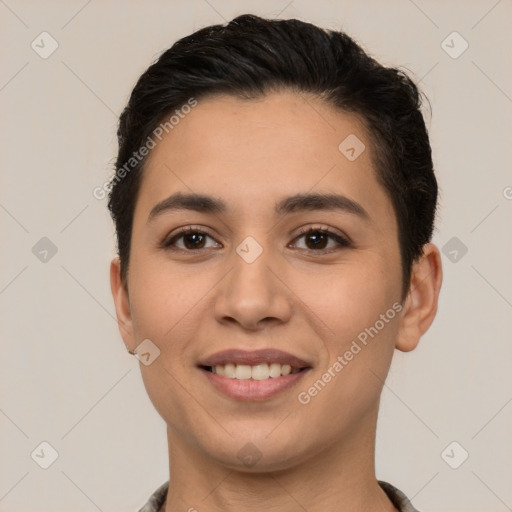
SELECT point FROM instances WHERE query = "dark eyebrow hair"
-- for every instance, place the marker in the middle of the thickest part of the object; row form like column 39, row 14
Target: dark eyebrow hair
column 300, row 202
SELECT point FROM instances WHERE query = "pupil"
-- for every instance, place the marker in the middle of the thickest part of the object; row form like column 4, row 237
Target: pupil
column 193, row 235
column 317, row 237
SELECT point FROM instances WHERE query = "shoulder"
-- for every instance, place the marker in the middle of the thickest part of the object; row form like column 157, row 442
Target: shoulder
column 156, row 500
column 397, row 497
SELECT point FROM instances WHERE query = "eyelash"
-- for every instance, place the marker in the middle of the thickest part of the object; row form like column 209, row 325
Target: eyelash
column 168, row 243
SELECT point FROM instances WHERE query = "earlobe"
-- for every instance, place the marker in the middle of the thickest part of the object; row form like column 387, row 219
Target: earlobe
column 122, row 304
column 420, row 305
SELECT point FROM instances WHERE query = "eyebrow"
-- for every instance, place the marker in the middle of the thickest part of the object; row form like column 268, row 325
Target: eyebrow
column 299, row 202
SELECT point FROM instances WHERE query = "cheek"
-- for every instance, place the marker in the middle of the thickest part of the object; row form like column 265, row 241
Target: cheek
column 172, row 305
column 350, row 298
column 364, row 325
column 359, row 304
column 162, row 308
column 162, row 305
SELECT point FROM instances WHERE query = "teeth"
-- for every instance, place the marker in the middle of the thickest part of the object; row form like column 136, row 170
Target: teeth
column 229, row 371
column 275, row 370
column 243, row 372
column 258, row 372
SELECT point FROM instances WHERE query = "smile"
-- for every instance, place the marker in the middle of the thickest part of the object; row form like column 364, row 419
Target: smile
column 258, row 372
column 255, row 375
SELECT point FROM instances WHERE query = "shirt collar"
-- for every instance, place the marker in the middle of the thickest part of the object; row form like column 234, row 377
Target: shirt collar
column 397, row 497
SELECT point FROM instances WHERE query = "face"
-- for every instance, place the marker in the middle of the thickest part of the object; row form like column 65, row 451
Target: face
column 263, row 278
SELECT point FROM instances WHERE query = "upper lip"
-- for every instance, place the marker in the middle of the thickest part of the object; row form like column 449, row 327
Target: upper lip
column 254, row 357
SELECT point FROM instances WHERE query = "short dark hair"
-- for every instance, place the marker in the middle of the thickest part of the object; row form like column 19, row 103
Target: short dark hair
column 252, row 56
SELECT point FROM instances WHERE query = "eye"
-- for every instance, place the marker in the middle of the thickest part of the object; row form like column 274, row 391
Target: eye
column 193, row 240
column 317, row 239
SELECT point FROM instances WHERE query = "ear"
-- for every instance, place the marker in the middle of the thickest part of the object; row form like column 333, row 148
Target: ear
column 122, row 304
column 420, row 305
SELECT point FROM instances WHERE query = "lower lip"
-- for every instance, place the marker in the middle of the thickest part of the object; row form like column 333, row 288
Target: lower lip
column 253, row 389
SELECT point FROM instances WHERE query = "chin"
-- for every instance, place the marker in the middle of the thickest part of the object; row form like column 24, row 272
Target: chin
column 257, row 451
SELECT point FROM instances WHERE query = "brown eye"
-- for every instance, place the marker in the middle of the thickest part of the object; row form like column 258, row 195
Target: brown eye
column 191, row 240
column 317, row 240
column 194, row 240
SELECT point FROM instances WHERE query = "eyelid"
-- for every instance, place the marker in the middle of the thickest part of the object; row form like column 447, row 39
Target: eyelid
column 179, row 232
column 341, row 240
column 304, row 230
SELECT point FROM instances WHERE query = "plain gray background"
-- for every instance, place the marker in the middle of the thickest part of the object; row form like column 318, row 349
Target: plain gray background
column 66, row 378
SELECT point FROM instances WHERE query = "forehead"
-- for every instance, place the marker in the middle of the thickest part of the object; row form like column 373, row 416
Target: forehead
column 288, row 124
column 248, row 151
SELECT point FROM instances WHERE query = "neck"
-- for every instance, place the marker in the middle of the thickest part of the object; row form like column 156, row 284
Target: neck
column 340, row 478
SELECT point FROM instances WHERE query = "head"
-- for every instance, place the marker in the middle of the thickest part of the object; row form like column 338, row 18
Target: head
column 250, row 114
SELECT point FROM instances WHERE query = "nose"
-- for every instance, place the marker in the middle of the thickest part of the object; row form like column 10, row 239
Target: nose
column 254, row 294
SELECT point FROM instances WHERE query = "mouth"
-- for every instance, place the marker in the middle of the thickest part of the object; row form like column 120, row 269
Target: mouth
column 254, row 375
column 262, row 371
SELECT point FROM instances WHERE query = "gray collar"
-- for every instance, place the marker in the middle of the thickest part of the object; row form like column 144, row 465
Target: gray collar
column 397, row 497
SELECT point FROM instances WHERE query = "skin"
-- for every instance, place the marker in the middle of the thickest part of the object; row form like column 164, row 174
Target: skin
column 293, row 297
